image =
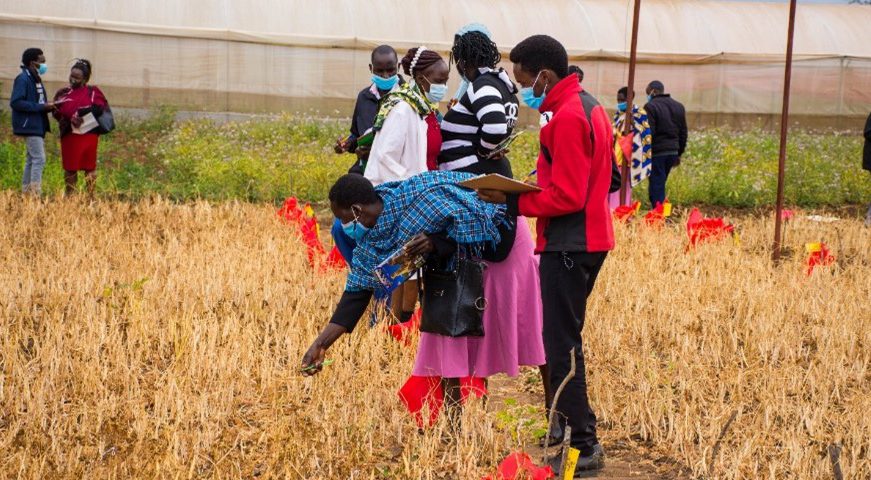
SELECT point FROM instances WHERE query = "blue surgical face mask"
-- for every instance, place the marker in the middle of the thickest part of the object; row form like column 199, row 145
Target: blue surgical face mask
column 649, row 98
column 464, row 85
column 385, row 84
column 621, row 107
column 43, row 69
column 528, row 95
column 355, row 229
column 437, row 92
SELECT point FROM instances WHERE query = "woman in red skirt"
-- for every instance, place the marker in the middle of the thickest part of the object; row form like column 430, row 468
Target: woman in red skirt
column 78, row 147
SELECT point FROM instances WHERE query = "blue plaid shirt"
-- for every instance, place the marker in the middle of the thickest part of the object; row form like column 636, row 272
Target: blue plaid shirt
column 428, row 203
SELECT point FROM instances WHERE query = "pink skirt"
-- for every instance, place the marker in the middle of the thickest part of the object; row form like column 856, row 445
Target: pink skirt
column 614, row 198
column 512, row 322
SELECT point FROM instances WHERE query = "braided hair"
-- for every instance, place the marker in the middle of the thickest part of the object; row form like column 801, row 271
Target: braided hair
column 419, row 59
column 85, row 66
column 475, row 50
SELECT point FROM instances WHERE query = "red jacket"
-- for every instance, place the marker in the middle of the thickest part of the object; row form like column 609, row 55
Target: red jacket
column 574, row 172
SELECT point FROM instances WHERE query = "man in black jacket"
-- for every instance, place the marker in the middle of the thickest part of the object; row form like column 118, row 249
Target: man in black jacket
column 668, row 126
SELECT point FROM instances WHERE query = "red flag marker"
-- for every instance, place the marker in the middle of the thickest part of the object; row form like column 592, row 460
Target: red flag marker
column 403, row 332
column 624, row 212
column 701, row 229
column 818, row 255
column 520, row 466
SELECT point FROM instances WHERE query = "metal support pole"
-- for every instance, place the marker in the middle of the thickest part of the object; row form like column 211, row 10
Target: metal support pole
column 630, row 100
column 784, row 125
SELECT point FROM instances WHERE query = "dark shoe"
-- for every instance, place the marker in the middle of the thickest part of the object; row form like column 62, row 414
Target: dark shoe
column 593, row 461
column 553, row 437
column 586, row 463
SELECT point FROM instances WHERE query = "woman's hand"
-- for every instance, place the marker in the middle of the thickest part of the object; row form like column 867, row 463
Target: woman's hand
column 421, row 245
column 341, row 146
column 76, row 120
column 313, row 360
column 493, row 196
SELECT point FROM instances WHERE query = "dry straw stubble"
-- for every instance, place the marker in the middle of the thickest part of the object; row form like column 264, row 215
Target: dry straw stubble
column 154, row 339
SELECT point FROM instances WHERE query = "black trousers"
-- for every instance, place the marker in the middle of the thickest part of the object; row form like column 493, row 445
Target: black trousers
column 566, row 282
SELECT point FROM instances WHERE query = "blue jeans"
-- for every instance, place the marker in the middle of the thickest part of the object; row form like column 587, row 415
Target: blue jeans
column 661, row 168
column 33, row 165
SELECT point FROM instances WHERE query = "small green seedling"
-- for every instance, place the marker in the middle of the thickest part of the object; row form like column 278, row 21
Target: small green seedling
column 311, row 367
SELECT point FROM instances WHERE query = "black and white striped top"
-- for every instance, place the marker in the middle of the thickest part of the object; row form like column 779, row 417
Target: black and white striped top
column 485, row 115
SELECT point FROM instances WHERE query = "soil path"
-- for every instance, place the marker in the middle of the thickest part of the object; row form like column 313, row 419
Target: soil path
column 624, row 460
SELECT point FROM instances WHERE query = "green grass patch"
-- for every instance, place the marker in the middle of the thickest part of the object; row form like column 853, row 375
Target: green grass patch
column 270, row 159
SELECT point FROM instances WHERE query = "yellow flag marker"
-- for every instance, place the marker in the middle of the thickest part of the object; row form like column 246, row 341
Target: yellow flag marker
column 813, row 247
column 666, row 209
column 571, row 463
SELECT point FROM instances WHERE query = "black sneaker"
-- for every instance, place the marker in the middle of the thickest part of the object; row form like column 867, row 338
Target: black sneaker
column 593, row 461
column 586, row 463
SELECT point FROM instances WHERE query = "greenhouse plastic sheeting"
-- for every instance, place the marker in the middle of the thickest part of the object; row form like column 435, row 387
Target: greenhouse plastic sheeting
column 719, row 58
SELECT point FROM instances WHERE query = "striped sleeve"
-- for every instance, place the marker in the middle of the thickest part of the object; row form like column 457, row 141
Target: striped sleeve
column 489, row 108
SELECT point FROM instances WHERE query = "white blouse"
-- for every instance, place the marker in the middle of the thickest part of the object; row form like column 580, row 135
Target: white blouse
column 399, row 149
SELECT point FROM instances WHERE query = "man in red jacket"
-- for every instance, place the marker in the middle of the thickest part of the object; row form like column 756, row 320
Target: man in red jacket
column 574, row 221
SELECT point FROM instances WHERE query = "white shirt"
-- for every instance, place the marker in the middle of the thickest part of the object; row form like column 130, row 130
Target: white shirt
column 399, row 149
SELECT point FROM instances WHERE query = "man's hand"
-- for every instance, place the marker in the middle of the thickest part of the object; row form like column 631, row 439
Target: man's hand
column 50, row 107
column 341, row 146
column 313, row 360
column 363, row 152
column 676, row 162
column 421, row 244
column 493, row 196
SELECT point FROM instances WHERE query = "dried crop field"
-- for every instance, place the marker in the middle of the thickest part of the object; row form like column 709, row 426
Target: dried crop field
column 161, row 340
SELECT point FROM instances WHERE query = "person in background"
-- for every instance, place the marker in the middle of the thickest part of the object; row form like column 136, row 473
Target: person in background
column 30, row 108
column 407, row 139
column 384, row 67
column 634, row 147
column 79, row 150
column 486, row 112
column 577, row 71
column 574, row 223
column 668, row 126
column 866, row 161
column 433, row 216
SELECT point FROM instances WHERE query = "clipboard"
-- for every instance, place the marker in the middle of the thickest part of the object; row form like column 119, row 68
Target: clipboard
column 494, row 181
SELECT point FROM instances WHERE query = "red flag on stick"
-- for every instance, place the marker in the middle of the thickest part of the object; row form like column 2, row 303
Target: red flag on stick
column 403, row 332
column 519, row 466
column 657, row 216
column 624, row 212
column 818, row 255
column 701, row 229
column 336, row 260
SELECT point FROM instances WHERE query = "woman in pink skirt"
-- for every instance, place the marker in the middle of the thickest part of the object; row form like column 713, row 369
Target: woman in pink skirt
column 512, row 325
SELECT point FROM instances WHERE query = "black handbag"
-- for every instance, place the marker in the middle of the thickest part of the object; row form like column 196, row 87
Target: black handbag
column 105, row 120
column 453, row 301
